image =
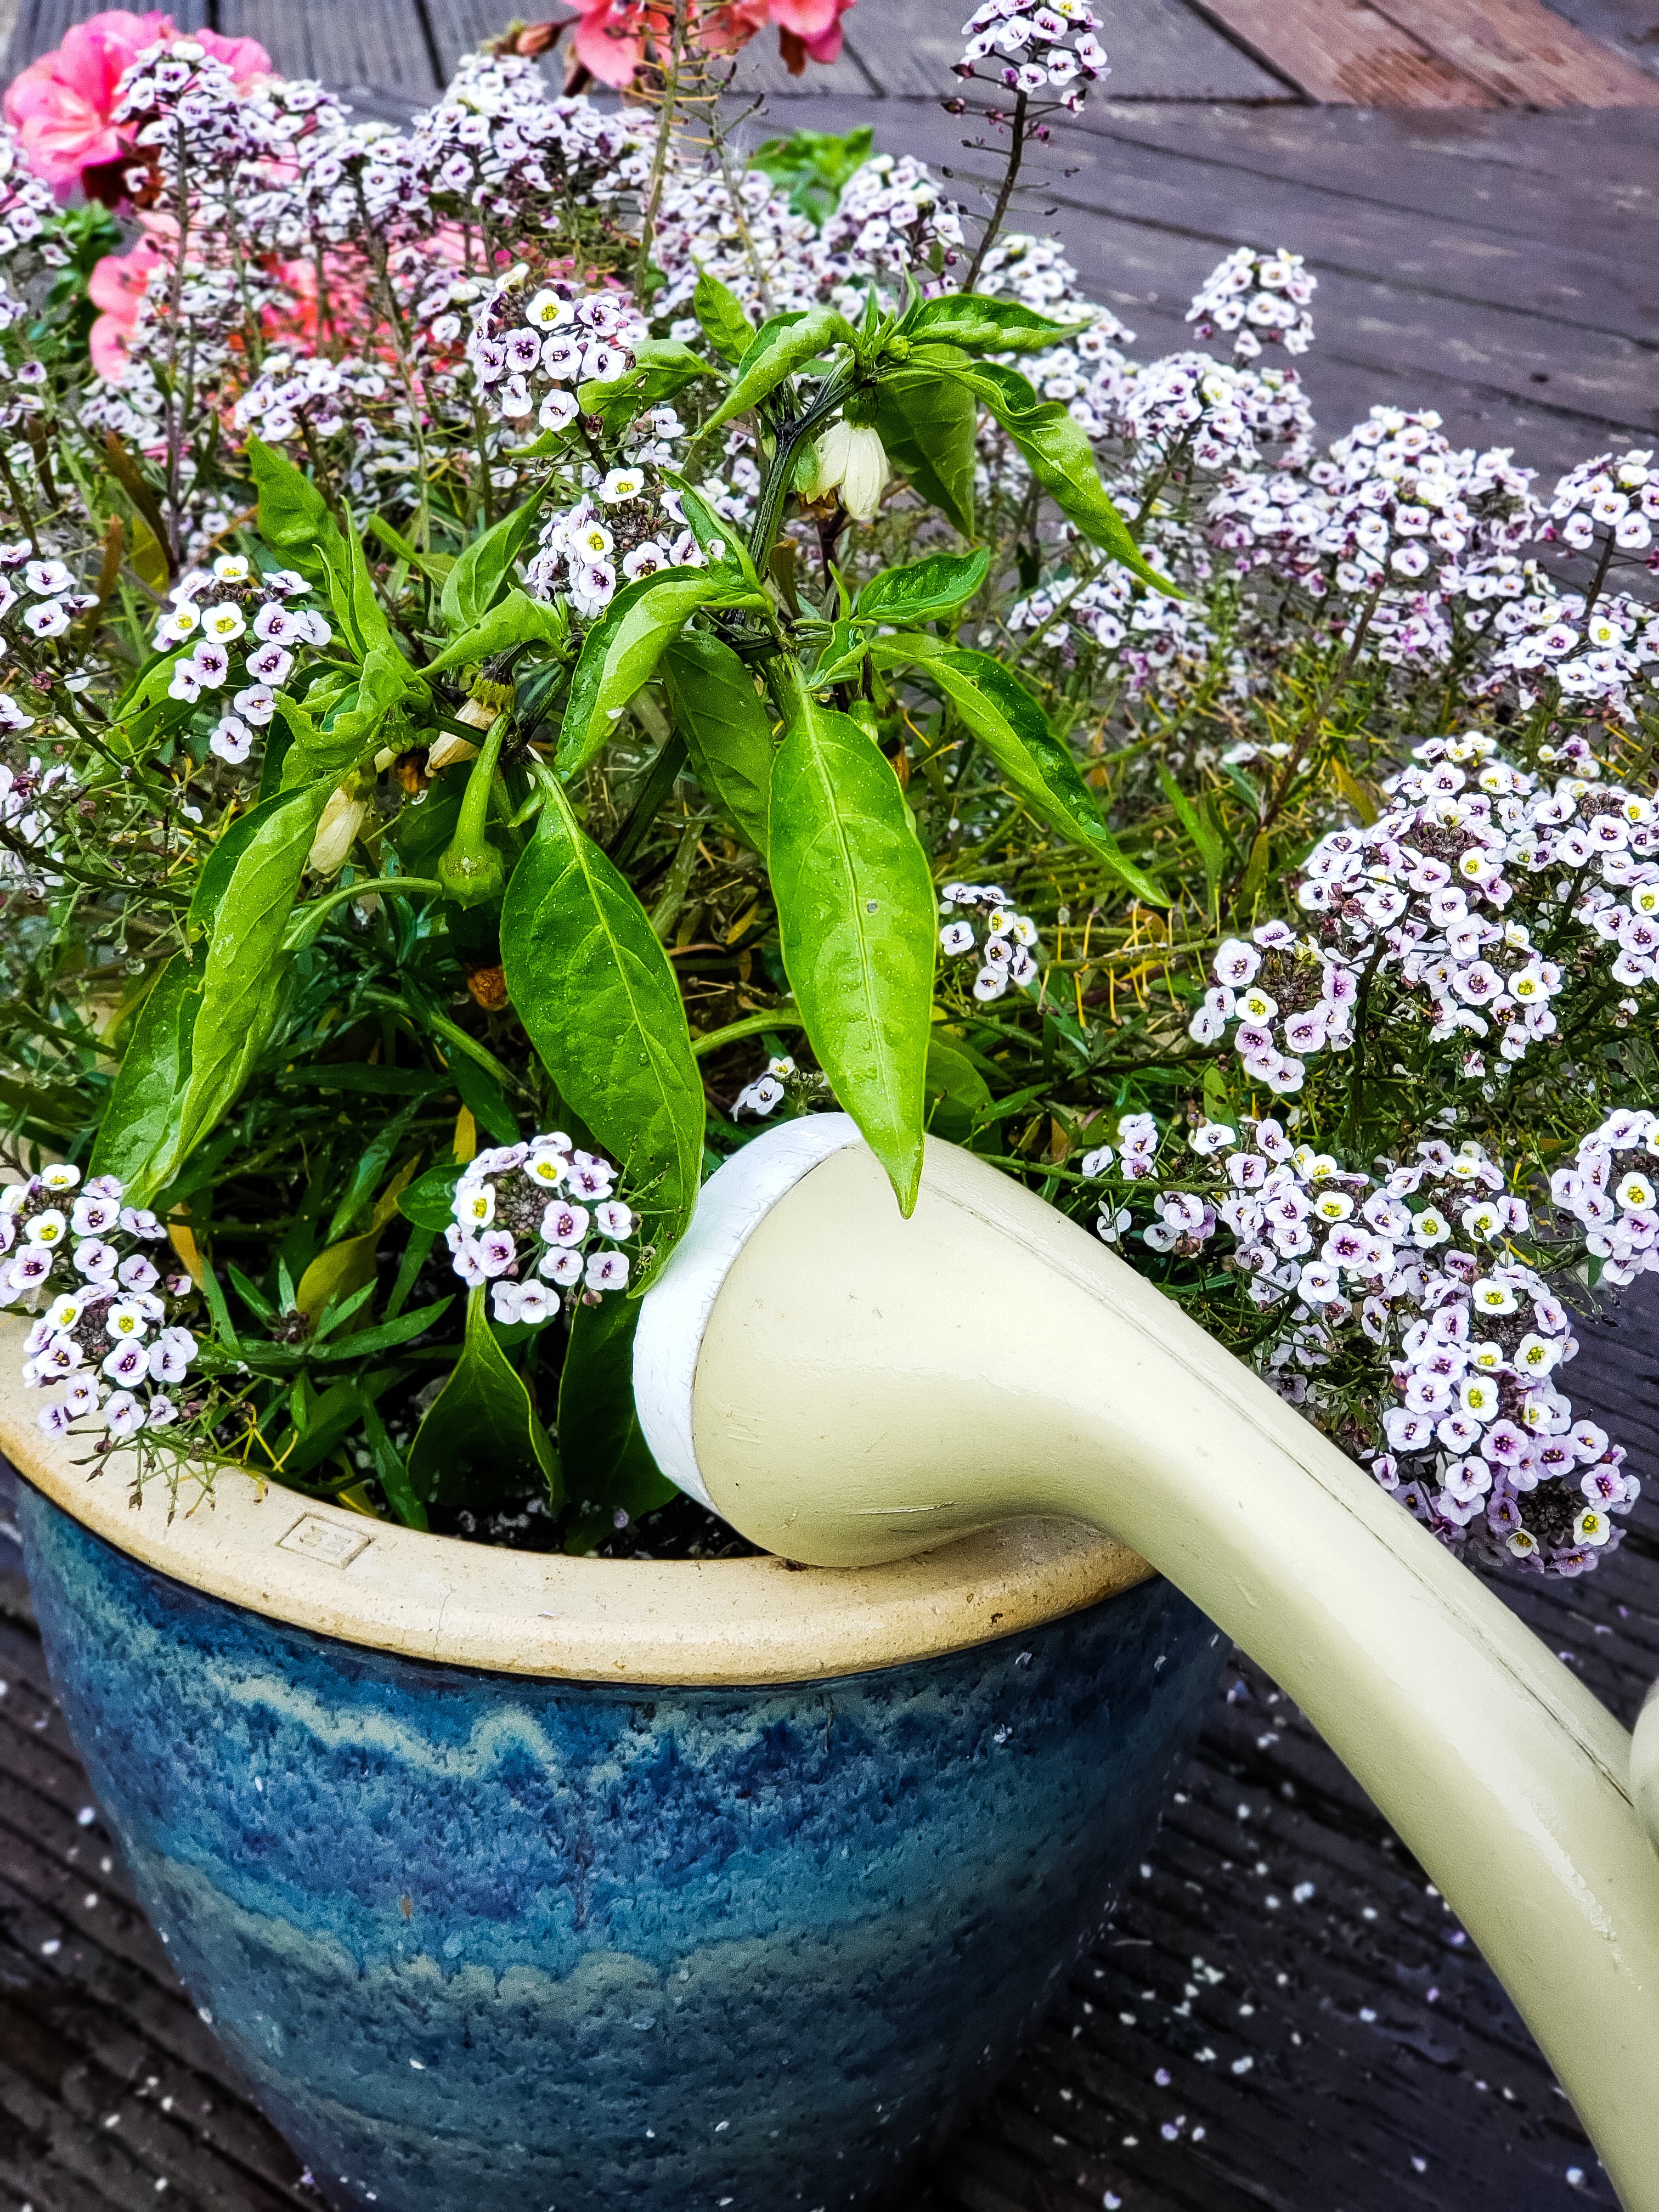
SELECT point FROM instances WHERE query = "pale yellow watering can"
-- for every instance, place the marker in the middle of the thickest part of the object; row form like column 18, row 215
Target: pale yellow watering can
column 846, row 1388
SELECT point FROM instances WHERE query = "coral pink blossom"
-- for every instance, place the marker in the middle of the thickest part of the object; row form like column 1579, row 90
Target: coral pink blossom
column 612, row 36
column 117, row 286
column 60, row 106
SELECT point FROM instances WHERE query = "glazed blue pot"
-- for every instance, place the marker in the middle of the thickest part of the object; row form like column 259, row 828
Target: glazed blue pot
column 488, row 1942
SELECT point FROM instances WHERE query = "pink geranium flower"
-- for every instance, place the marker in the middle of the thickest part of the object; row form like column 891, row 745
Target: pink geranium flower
column 60, row 106
column 117, row 287
column 613, row 37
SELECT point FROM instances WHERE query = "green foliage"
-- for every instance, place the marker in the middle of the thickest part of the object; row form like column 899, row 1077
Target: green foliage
column 598, row 996
column 721, row 318
column 484, row 569
column 606, row 1462
column 812, row 166
column 481, row 1437
column 623, row 648
column 982, row 326
column 928, row 425
column 781, row 347
column 1056, row 450
column 1014, row 730
column 727, row 730
column 855, row 921
column 928, row 590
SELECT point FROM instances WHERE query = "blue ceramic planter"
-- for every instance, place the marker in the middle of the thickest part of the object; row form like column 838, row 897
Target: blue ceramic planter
column 493, row 1943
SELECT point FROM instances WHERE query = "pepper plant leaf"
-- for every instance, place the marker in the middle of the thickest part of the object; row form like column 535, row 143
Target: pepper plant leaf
column 982, row 326
column 855, row 917
column 726, row 729
column 621, row 650
column 1057, row 452
column 607, row 1464
column 721, row 315
column 596, row 992
column 928, row 590
column 516, row 620
column 928, row 425
column 474, row 583
column 482, row 1427
column 154, row 1068
column 784, row 344
column 1014, row 730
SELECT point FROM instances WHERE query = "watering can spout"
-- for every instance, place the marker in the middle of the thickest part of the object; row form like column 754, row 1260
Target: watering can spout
column 847, row 1388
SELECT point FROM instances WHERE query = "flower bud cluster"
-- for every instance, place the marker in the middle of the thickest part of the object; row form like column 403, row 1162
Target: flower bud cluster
column 1612, row 1190
column 545, row 1210
column 74, row 1255
column 1376, row 1305
column 1002, row 942
column 1037, row 50
column 237, row 614
column 1261, row 298
column 1420, row 902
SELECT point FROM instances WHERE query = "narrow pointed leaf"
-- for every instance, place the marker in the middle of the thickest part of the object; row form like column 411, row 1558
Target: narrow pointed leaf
column 784, row 345
column 481, row 1429
column 728, row 731
column 606, row 1462
column 982, row 326
column 475, row 582
column 595, row 990
column 924, row 591
column 1057, row 452
column 1014, row 730
column 928, row 425
column 623, row 648
column 856, row 918
column 721, row 314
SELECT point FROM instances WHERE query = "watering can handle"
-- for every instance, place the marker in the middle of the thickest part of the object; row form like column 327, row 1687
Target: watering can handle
column 846, row 1387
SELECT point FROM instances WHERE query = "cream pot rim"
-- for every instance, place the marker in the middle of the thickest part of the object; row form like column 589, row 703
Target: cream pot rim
column 657, row 1623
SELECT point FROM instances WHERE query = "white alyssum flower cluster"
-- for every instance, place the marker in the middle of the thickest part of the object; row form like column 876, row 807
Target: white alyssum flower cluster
column 1377, row 1304
column 237, row 614
column 293, row 395
column 891, row 219
column 74, row 1256
column 38, row 598
column 1003, row 941
column 1420, row 902
column 1041, row 51
column 1614, row 495
column 540, row 1209
column 627, row 526
column 1612, row 1190
column 530, row 354
column 1260, row 298
column 767, row 1092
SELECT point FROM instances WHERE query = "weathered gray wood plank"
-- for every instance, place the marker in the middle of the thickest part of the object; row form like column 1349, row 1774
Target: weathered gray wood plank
column 1159, row 50
column 380, row 43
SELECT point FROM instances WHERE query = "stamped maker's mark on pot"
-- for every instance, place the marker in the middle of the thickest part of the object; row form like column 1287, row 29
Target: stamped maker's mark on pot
column 322, row 1540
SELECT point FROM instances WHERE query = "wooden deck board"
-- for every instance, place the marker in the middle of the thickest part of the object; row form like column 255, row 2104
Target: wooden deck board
column 1523, row 54
column 1347, row 53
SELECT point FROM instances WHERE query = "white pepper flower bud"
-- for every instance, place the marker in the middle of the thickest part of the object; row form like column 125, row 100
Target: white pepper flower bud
column 336, row 831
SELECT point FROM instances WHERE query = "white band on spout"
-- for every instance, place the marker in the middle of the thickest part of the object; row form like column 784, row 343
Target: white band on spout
column 674, row 1312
